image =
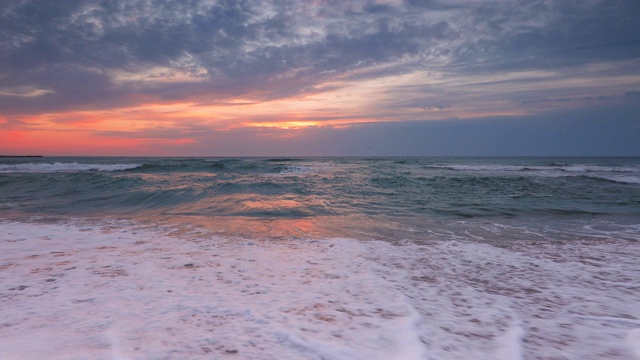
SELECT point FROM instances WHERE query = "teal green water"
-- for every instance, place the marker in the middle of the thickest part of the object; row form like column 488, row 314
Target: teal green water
column 402, row 192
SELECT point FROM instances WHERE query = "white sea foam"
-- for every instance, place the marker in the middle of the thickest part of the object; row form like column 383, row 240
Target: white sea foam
column 595, row 168
column 526, row 301
column 64, row 167
column 481, row 167
column 543, row 169
column 510, row 343
column 624, row 179
column 292, row 170
column 633, row 341
column 307, row 168
column 71, row 292
column 119, row 291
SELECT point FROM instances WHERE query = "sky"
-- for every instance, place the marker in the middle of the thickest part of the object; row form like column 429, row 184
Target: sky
column 320, row 77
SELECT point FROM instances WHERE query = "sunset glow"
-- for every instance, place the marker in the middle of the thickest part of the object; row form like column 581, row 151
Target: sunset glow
column 127, row 80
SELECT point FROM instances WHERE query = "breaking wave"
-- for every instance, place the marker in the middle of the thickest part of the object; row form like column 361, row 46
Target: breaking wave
column 64, row 167
column 556, row 168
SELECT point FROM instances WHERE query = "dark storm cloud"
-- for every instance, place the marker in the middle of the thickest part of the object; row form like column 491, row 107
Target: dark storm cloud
column 73, row 48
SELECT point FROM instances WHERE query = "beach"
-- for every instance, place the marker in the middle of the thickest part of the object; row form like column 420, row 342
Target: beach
column 279, row 270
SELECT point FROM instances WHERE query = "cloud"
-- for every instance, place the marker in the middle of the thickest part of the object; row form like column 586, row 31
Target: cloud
column 594, row 131
column 553, row 34
column 246, row 62
column 258, row 44
column 24, row 91
column 632, row 94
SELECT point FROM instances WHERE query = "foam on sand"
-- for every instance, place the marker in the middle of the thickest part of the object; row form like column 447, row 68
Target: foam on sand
column 72, row 292
column 117, row 290
column 633, row 341
column 528, row 300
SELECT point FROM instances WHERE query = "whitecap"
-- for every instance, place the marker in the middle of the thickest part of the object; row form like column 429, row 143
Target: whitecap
column 624, row 179
column 292, row 170
column 63, row 167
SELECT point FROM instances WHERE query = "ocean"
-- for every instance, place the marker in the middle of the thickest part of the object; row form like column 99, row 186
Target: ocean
column 320, row 258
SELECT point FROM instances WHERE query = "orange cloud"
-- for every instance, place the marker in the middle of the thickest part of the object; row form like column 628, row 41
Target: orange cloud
column 340, row 103
column 62, row 143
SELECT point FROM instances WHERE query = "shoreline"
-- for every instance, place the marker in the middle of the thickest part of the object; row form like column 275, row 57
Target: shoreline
column 122, row 288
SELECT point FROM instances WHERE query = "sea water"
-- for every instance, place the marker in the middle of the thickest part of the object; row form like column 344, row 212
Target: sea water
column 320, row 258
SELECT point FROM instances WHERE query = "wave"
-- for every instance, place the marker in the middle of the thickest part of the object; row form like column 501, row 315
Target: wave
column 293, row 170
column 552, row 168
column 623, row 179
column 480, row 167
column 184, row 166
column 64, row 167
column 253, row 187
column 596, row 168
column 279, row 160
